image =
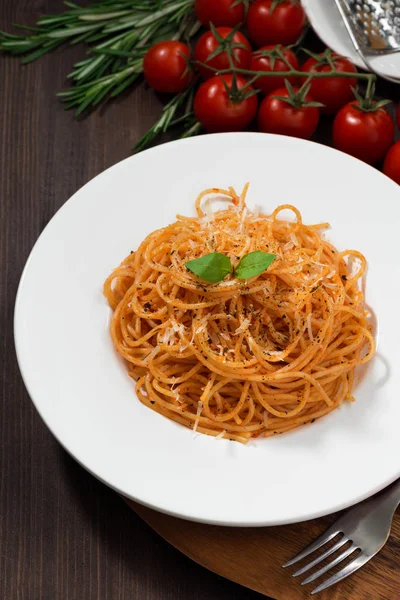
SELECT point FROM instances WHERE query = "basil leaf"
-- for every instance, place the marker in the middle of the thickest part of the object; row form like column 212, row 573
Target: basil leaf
column 254, row 264
column 211, row 267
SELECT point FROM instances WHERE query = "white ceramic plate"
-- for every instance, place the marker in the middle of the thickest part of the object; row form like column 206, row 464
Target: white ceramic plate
column 81, row 388
column 328, row 24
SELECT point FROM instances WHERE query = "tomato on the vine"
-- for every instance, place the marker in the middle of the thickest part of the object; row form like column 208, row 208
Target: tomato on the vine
column 333, row 92
column 366, row 134
column 391, row 166
column 220, row 12
column 275, row 21
column 289, row 112
column 270, row 58
column 221, row 104
column 216, row 45
column 165, row 67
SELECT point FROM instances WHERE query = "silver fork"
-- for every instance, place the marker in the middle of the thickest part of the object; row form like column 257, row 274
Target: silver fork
column 366, row 527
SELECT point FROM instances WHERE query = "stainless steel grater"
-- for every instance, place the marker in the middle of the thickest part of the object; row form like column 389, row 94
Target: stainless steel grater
column 373, row 26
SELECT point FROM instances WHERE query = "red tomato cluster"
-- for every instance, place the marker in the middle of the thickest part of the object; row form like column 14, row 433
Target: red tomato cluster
column 287, row 106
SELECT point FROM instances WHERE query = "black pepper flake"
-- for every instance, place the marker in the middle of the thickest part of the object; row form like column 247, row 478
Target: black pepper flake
column 147, row 306
column 132, row 251
column 344, row 277
column 152, row 401
column 172, row 251
column 313, row 420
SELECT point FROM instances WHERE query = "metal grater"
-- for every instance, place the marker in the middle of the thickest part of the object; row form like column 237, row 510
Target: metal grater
column 373, row 25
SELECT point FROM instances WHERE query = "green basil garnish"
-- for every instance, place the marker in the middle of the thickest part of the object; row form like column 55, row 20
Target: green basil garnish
column 211, row 267
column 215, row 267
column 254, row 264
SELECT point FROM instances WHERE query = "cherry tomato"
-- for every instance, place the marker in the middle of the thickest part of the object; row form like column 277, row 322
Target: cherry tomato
column 164, row 67
column 263, row 63
column 277, row 116
column 208, row 44
column 367, row 135
column 282, row 25
column 334, row 92
column 216, row 111
column 219, row 12
column 391, row 166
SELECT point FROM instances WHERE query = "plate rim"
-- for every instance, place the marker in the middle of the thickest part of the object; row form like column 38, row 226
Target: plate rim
column 157, row 506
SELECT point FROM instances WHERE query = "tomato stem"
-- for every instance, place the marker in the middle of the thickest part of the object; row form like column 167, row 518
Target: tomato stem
column 369, row 77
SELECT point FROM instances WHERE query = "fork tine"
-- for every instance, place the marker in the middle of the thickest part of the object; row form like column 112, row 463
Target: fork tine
column 349, row 569
column 330, row 565
column 325, row 537
column 317, row 560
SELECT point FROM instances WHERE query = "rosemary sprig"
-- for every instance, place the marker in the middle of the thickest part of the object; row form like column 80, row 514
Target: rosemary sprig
column 118, row 33
column 178, row 111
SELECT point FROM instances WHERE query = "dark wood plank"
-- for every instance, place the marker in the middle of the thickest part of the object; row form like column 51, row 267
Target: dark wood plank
column 64, row 535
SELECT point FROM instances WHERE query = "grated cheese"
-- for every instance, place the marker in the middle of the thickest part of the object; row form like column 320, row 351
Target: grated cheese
column 220, row 435
column 151, row 355
column 242, row 219
column 227, row 283
column 199, row 409
column 309, row 328
column 202, row 326
column 243, row 326
column 288, row 246
column 169, row 337
column 178, row 327
column 220, row 349
column 329, row 285
column 209, row 215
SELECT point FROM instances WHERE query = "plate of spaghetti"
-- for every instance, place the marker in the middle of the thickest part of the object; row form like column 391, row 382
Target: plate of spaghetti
column 219, row 342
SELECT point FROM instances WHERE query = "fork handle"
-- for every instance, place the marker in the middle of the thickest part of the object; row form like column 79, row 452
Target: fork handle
column 390, row 496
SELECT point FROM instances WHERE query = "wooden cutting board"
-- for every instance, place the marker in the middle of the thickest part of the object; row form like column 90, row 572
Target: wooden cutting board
column 253, row 557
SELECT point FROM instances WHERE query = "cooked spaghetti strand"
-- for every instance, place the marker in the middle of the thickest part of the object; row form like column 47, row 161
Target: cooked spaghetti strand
column 239, row 359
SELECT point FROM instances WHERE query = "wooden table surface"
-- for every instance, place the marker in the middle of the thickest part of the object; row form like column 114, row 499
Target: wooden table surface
column 64, row 535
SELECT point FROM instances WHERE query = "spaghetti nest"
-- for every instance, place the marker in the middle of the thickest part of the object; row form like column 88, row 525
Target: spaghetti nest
column 239, row 359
